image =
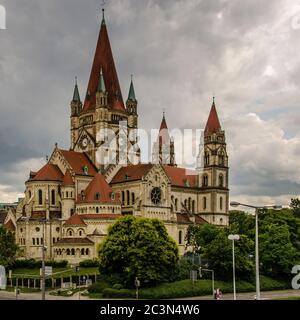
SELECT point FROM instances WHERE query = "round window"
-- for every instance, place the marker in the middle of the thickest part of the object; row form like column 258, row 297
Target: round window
column 37, row 229
column 156, row 195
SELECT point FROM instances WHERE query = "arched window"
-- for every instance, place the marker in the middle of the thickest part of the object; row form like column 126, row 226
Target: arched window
column 221, row 221
column 185, row 203
column 87, row 252
column 82, row 195
column 73, row 252
column 221, row 159
column 97, row 196
column 128, row 197
column 204, row 203
column 53, row 240
column 221, row 180
column 189, row 205
column 132, row 198
column 70, row 233
column 205, row 180
column 206, row 158
column 180, row 237
column 221, row 203
column 37, row 241
column 176, row 204
column 82, row 252
column 40, row 197
column 193, row 206
column 68, row 252
column 53, row 197
column 80, row 233
column 33, row 241
column 123, row 198
column 67, row 194
column 97, row 209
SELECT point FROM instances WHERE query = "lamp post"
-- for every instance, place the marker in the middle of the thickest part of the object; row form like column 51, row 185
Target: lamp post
column 257, row 209
column 233, row 237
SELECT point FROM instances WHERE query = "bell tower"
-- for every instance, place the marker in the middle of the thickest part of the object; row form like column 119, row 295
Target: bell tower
column 213, row 175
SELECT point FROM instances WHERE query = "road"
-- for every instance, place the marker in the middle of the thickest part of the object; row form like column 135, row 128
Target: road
column 268, row 295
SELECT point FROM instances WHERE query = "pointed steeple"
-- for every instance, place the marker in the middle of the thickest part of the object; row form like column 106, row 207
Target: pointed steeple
column 101, row 85
column 76, row 96
column 131, row 94
column 163, row 136
column 103, row 59
column 103, row 17
column 213, row 123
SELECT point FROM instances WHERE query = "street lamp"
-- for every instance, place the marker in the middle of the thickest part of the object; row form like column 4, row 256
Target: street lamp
column 233, row 237
column 257, row 208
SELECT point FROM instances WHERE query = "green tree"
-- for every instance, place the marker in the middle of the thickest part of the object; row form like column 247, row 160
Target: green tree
column 277, row 254
column 295, row 205
column 138, row 247
column 8, row 247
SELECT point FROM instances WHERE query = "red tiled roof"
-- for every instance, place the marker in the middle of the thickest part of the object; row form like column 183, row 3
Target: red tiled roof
column 131, row 173
column 181, row 177
column 200, row 220
column 109, row 216
column 213, row 123
column 104, row 59
column 75, row 241
column 9, row 225
column 78, row 161
column 183, row 218
column 48, row 172
column 68, row 181
column 98, row 186
column 75, row 220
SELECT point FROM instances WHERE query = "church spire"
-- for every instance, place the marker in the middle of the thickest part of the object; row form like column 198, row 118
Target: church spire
column 76, row 96
column 131, row 94
column 104, row 58
column 213, row 123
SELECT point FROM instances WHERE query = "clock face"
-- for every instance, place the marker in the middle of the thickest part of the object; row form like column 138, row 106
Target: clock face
column 84, row 142
column 156, row 195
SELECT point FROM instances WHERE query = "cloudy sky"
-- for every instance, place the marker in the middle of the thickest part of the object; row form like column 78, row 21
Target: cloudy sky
column 181, row 53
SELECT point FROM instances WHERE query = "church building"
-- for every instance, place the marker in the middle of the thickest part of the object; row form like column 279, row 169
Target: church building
column 72, row 200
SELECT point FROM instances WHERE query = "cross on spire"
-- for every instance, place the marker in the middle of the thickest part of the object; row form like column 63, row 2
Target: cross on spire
column 103, row 10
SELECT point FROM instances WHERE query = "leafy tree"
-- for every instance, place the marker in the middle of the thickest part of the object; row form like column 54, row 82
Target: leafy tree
column 295, row 205
column 242, row 223
column 8, row 247
column 200, row 236
column 277, row 254
column 138, row 247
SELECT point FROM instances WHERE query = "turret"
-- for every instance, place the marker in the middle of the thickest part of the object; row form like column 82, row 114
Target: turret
column 131, row 106
column 76, row 107
column 163, row 148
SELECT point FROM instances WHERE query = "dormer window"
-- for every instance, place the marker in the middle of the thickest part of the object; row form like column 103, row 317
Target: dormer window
column 112, row 196
column 82, row 195
column 127, row 177
column 97, row 196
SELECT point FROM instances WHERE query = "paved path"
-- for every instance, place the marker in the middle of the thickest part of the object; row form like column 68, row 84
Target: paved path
column 268, row 295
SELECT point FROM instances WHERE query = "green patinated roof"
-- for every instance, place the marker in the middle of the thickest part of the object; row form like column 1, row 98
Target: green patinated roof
column 131, row 95
column 76, row 96
column 101, row 85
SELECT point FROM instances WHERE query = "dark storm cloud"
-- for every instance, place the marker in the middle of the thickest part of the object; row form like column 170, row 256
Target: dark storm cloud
column 180, row 52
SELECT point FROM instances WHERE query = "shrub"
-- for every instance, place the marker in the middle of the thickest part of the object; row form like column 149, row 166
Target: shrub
column 34, row 264
column 117, row 286
column 89, row 263
column 122, row 293
column 98, row 287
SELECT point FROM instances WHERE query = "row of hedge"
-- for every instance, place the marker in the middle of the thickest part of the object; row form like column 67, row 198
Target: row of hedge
column 185, row 288
column 33, row 264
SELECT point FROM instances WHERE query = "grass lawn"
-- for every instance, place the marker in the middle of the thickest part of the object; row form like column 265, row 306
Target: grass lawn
column 22, row 290
column 65, row 272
